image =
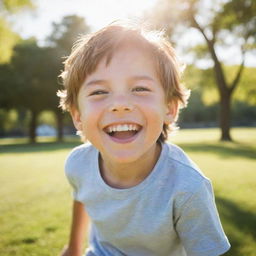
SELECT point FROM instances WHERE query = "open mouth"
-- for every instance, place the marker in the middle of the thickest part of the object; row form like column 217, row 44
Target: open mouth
column 122, row 132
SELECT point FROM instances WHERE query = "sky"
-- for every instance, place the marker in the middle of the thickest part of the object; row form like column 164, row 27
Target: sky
column 98, row 13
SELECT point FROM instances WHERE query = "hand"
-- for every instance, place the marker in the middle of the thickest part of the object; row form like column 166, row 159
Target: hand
column 69, row 252
column 65, row 251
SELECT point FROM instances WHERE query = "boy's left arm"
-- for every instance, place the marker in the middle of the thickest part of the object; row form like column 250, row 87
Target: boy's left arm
column 198, row 224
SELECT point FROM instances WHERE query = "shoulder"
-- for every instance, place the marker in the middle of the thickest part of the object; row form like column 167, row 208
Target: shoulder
column 187, row 177
column 79, row 152
column 79, row 157
column 184, row 164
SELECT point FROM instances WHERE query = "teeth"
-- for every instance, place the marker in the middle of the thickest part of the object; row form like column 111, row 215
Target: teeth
column 122, row 128
column 119, row 128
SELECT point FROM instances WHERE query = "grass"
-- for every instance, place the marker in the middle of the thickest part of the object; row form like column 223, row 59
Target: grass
column 36, row 201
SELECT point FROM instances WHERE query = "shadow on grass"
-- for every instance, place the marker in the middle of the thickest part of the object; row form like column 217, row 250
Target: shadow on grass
column 27, row 240
column 38, row 147
column 225, row 150
column 238, row 224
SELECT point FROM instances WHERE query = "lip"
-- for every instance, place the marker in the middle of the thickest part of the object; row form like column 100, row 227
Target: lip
column 125, row 141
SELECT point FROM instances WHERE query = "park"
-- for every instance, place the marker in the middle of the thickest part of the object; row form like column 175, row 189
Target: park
column 217, row 129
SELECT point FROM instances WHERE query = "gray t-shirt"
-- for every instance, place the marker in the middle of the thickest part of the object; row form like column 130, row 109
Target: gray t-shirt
column 171, row 213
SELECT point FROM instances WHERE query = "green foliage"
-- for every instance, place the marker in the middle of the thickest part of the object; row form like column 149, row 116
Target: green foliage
column 47, row 117
column 13, row 122
column 30, row 80
column 197, row 114
column 4, row 121
column 200, row 51
column 12, row 119
column 238, row 16
column 203, row 108
column 66, row 33
column 195, row 78
column 7, row 93
column 8, row 39
column 247, row 91
column 33, row 77
column 220, row 23
column 191, row 77
column 15, row 5
column 203, row 80
column 243, row 113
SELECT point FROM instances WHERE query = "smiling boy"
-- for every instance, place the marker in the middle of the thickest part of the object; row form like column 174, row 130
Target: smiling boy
column 142, row 195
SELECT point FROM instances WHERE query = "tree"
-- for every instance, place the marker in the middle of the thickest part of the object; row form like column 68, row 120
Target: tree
column 8, row 38
column 66, row 32
column 51, row 62
column 33, row 82
column 30, row 79
column 6, row 80
column 221, row 24
column 61, row 40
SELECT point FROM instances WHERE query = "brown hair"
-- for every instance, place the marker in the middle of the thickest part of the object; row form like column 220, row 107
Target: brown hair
column 91, row 49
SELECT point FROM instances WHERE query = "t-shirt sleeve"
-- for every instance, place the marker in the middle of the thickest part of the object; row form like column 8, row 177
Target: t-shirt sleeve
column 71, row 174
column 198, row 224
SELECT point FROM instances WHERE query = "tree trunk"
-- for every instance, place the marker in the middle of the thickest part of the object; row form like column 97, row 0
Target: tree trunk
column 225, row 91
column 225, row 116
column 32, row 127
column 59, row 118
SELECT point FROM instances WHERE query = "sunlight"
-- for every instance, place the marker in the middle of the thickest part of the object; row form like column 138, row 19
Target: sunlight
column 97, row 14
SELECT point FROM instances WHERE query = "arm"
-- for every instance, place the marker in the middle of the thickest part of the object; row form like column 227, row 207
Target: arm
column 198, row 224
column 80, row 224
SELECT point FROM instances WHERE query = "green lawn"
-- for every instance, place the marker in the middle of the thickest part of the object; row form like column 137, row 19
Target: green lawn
column 36, row 201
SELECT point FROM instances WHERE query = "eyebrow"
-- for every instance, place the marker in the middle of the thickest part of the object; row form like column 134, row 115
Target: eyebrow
column 133, row 78
column 143, row 77
column 96, row 81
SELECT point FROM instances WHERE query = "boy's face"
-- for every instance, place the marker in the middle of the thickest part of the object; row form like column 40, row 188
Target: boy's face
column 122, row 106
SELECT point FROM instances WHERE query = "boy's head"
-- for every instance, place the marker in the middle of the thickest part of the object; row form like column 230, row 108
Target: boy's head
column 90, row 50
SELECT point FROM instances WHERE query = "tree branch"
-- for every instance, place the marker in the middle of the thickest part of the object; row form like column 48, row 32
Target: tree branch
column 221, row 81
column 239, row 73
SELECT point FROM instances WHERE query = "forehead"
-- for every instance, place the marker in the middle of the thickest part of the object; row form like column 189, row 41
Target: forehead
column 128, row 57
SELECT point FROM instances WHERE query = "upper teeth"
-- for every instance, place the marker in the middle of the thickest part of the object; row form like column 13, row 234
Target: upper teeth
column 122, row 128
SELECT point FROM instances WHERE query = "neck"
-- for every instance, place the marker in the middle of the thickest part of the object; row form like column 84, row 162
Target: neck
column 125, row 175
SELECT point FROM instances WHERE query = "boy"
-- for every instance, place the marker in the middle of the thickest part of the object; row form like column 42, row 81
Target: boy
column 142, row 195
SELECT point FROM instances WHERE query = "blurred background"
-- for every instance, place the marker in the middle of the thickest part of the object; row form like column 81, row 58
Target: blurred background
column 216, row 39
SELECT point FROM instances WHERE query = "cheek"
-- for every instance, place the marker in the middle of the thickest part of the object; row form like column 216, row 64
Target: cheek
column 91, row 115
column 155, row 108
column 155, row 117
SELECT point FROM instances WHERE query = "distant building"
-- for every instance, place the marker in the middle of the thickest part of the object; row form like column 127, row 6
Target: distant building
column 45, row 130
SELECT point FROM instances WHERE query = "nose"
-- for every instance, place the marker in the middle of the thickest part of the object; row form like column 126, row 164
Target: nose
column 120, row 104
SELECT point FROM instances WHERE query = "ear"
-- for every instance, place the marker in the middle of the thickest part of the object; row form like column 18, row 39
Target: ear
column 76, row 117
column 171, row 112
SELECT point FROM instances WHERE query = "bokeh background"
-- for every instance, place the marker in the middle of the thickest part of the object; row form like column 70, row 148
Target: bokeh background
column 216, row 40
